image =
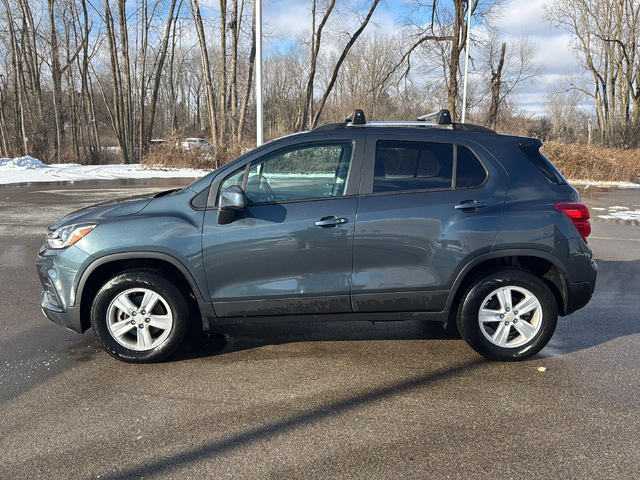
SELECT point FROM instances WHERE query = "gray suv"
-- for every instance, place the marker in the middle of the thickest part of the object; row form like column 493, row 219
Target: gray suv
column 425, row 220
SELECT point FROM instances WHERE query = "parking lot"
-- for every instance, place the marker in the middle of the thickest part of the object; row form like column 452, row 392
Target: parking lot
column 327, row 400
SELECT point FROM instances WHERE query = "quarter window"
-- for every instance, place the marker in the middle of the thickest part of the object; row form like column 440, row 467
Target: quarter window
column 469, row 171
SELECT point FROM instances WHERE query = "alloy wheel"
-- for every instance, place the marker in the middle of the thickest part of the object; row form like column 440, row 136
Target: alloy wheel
column 510, row 317
column 139, row 319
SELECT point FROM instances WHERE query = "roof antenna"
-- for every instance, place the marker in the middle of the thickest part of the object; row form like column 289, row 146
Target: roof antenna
column 356, row 118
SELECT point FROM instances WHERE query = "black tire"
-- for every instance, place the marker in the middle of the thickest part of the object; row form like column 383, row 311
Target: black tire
column 483, row 286
column 150, row 279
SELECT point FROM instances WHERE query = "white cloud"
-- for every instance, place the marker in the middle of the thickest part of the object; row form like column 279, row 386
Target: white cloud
column 526, row 17
column 288, row 18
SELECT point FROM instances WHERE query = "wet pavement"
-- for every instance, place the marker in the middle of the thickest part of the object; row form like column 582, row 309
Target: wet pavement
column 327, row 400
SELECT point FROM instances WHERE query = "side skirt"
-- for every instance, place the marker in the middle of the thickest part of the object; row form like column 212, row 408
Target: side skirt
column 332, row 317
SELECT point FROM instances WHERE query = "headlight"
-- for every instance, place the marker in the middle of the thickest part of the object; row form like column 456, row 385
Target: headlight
column 66, row 236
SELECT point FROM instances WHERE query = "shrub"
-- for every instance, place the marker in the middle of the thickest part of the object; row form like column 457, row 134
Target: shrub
column 583, row 162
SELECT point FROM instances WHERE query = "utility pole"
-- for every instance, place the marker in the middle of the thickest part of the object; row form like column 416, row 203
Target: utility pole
column 466, row 63
column 259, row 113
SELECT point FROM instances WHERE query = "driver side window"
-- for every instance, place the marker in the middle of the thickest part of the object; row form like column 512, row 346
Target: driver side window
column 319, row 170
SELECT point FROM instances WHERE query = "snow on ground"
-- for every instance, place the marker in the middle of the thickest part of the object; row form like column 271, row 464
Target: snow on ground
column 594, row 184
column 621, row 213
column 29, row 169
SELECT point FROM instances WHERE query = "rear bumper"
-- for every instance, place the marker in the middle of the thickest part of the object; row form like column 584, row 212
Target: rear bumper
column 578, row 295
column 579, row 281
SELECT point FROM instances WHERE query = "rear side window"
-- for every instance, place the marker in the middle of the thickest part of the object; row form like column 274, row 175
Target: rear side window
column 402, row 166
column 542, row 163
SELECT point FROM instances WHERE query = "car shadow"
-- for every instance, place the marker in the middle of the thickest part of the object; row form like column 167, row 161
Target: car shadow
column 235, row 338
column 616, row 291
column 612, row 312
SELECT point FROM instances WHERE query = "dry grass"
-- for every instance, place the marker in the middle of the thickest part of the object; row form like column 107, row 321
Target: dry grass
column 176, row 157
column 582, row 162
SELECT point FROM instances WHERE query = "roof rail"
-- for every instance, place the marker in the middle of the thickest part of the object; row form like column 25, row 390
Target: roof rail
column 439, row 120
column 443, row 117
column 404, row 124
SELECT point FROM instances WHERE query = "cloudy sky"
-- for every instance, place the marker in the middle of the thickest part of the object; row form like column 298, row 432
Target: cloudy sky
column 290, row 17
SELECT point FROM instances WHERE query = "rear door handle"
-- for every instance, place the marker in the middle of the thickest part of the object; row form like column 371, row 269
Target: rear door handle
column 330, row 221
column 470, row 205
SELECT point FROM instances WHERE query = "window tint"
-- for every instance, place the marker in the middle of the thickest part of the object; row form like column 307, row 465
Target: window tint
column 299, row 173
column 402, row 166
column 542, row 163
column 469, row 170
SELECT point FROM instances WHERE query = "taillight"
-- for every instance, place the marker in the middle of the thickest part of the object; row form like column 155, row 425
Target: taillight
column 579, row 215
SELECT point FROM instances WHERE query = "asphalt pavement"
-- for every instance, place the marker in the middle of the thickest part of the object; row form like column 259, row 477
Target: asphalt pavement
column 325, row 400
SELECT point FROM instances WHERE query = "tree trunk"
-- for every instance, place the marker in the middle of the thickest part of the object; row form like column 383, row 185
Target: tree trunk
column 496, row 84
column 56, row 77
column 159, row 70
column 317, row 37
column 336, row 69
column 249, row 80
column 206, row 70
column 126, row 92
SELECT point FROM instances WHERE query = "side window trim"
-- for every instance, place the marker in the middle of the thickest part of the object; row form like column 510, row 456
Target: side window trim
column 454, row 173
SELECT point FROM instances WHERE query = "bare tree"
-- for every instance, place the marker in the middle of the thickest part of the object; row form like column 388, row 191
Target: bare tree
column 510, row 66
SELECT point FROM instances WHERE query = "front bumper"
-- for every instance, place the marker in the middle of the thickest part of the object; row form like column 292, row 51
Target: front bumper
column 58, row 271
column 70, row 319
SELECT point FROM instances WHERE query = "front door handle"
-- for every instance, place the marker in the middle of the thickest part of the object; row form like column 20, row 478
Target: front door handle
column 470, row 205
column 330, row 221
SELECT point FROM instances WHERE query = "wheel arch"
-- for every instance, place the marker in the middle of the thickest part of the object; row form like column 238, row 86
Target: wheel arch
column 106, row 267
column 540, row 263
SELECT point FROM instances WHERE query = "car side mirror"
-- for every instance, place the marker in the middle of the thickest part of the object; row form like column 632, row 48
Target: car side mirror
column 231, row 199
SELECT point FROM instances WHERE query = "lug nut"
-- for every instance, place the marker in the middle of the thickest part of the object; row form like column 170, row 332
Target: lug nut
column 147, row 320
column 141, row 325
column 133, row 314
column 143, row 312
column 506, row 309
column 133, row 322
column 515, row 320
column 516, row 312
column 506, row 323
column 501, row 316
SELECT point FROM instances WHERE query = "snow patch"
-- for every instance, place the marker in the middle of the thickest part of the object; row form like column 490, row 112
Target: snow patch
column 622, row 213
column 21, row 163
column 592, row 184
column 31, row 170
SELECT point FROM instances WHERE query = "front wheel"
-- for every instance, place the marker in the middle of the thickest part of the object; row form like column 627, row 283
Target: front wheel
column 140, row 316
column 508, row 315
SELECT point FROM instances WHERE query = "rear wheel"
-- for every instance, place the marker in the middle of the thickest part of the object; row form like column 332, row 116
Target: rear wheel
column 140, row 316
column 508, row 315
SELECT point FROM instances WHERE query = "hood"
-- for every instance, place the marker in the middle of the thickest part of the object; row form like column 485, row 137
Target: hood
column 112, row 208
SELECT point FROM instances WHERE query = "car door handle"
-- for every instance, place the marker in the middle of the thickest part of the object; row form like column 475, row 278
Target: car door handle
column 470, row 205
column 330, row 221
